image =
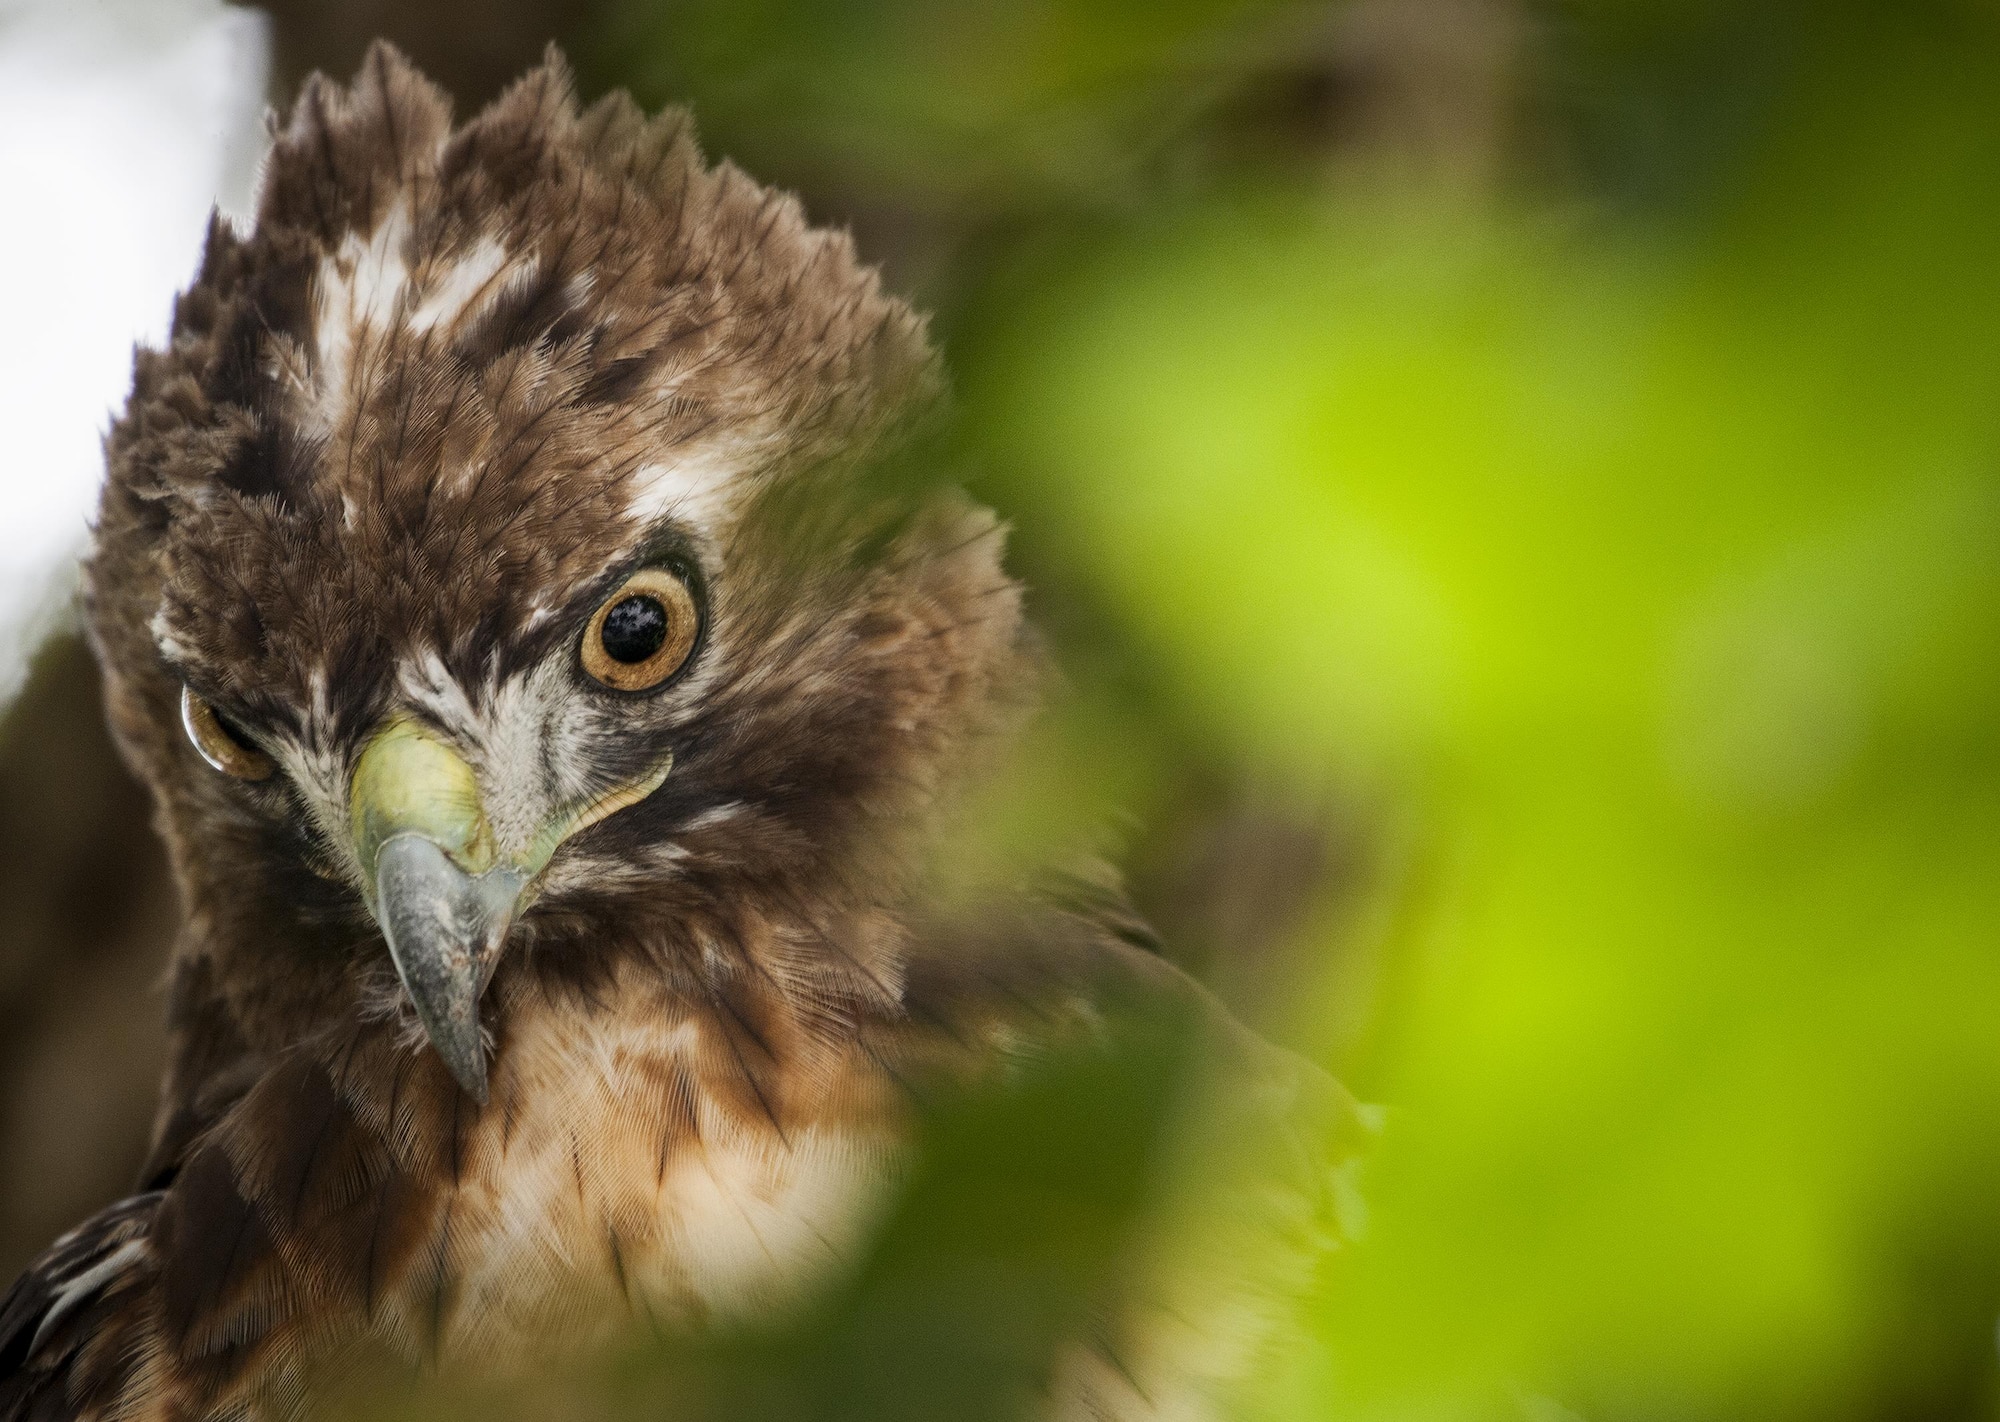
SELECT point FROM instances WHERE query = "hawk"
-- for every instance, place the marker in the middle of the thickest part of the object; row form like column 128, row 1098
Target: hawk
column 551, row 668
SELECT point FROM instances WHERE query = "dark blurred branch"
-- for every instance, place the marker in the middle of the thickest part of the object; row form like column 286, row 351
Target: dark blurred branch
column 474, row 48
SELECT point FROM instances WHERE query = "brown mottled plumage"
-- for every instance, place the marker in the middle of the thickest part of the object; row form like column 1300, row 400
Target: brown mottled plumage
column 410, row 431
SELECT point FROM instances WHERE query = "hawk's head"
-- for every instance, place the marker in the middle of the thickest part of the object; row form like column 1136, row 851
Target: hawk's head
column 497, row 574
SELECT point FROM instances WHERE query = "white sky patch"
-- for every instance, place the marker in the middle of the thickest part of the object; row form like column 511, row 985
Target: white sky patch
column 121, row 123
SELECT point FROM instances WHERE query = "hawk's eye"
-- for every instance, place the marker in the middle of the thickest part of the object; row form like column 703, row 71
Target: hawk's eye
column 221, row 743
column 643, row 633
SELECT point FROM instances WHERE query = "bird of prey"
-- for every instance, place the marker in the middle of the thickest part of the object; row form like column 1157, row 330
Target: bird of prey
column 551, row 680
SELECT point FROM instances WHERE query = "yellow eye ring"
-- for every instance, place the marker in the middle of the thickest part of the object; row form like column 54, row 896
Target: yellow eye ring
column 643, row 633
column 218, row 744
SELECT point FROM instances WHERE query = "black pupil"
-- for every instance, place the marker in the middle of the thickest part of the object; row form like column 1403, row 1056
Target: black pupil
column 634, row 629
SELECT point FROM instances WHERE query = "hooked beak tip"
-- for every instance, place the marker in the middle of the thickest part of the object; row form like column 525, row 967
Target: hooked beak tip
column 445, row 929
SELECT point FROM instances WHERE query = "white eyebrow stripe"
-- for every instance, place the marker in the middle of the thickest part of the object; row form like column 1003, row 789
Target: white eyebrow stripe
column 702, row 486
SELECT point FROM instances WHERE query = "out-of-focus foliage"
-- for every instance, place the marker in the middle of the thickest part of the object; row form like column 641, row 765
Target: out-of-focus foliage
column 1593, row 505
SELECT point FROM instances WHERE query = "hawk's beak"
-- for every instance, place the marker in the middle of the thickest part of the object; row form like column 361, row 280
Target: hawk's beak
column 441, row 891
column 431, row 879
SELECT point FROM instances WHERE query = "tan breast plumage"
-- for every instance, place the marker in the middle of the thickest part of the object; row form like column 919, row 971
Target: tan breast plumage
column 608, row 1182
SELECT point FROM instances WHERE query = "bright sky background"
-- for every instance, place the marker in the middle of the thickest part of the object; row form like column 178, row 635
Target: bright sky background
column 122, row 122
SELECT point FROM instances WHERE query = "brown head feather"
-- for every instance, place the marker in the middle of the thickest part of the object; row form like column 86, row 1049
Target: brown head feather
column 408, row 427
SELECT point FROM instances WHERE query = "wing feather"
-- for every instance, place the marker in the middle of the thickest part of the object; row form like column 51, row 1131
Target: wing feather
column 65, row 1307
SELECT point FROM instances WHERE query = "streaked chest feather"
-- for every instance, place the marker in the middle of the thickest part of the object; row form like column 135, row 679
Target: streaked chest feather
column 613, row 1181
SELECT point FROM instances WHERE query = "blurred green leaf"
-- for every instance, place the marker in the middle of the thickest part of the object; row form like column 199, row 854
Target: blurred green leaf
column 1617, row 537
